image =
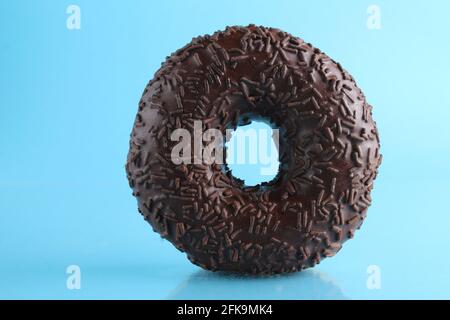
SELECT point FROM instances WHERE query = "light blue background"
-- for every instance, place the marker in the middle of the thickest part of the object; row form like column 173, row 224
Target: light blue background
column 68, row 100
column 252, row 153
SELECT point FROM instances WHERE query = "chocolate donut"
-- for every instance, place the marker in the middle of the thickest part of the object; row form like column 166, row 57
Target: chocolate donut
column 328, row 152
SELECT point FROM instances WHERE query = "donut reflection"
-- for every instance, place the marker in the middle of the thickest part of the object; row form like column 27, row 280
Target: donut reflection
column 309, row 284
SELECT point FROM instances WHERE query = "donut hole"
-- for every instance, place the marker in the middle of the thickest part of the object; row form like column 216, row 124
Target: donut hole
column 252, row 154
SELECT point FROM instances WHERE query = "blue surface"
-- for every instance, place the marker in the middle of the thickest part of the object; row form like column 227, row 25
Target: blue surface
column 67, row 104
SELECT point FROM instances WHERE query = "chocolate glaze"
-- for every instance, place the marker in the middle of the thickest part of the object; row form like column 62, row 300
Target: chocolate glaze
column 329, row 152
